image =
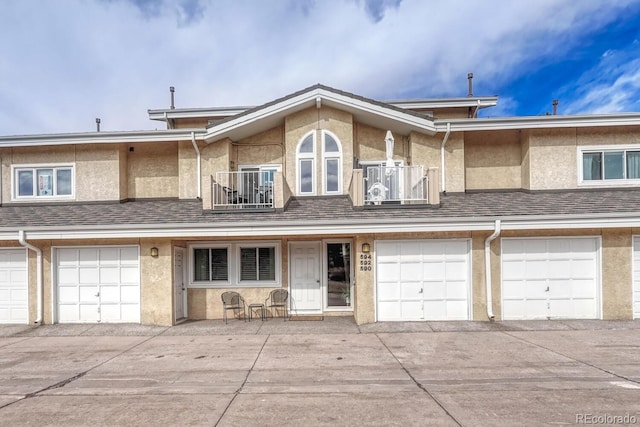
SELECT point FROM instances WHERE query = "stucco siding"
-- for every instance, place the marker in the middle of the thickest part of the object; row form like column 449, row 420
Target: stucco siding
column 492, row 160
column 153, row 170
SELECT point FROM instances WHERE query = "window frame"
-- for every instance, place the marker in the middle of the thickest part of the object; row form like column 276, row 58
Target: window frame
column 209, row 283
column 300, row 157
column 331, row 155
column 234, row 264
column 34, row 168
column 602, row 149
column 256, row 246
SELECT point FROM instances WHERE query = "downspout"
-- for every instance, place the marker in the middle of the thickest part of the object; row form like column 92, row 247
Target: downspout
column 38, row 252
column 487, row 268
column 199, row 166
column 444, row 141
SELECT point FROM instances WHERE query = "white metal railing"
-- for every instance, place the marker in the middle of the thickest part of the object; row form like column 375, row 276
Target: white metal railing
column 398, row 184
column 244, row 189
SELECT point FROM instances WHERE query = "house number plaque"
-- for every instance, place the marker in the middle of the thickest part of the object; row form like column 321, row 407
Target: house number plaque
column 365, row 262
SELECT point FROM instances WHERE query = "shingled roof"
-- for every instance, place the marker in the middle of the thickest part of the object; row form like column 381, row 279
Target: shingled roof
column 314, row 210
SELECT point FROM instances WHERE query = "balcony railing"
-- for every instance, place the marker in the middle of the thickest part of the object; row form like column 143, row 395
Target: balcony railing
column 395, row 185
column 244, row 189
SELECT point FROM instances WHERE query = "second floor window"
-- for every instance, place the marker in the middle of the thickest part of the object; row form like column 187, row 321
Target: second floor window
column 610, row 164
column 328, row 159
column 43, row 182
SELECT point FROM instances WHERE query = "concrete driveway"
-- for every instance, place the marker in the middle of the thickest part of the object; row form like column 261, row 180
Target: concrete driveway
column 329, row 372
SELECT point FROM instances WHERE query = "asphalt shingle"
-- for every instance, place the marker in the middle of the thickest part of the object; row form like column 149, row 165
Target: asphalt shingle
column 474, row 205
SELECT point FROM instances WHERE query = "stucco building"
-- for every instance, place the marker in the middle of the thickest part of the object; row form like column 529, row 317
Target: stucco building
column 398, row 210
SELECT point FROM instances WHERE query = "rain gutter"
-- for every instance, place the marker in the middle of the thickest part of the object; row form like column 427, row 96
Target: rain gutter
column 199, row 163
column 487, row 268
column 38, row 251
column 444, row 141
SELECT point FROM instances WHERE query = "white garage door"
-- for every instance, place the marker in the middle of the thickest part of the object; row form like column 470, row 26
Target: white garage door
column 550, row 278
column 636, row 277
column 98, row 284
column 14, row 301
column 422, row 280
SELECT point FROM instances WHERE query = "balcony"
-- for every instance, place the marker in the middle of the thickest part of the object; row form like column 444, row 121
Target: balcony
column 243, row 190
column 400, row 185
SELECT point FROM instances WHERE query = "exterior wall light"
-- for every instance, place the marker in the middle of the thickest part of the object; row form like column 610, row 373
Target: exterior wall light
column 366, row 248
column 154, row 252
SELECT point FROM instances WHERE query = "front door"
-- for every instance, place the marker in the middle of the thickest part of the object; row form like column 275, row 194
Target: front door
column 306, row 288
column 178, row 283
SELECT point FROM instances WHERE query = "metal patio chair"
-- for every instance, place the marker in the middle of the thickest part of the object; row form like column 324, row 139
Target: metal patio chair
column 233, row 301
column 278, row 299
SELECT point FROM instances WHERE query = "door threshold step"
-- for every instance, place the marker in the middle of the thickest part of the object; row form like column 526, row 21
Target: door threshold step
column 306, row 317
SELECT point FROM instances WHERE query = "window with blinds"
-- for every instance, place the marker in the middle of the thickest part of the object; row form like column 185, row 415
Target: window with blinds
column 257, row 264
column 235, row 264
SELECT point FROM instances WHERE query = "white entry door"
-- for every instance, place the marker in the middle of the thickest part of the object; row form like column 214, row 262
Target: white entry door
column 306, row 289
column 550, row 278
column 179, row 287
column 422, row 280
column 98, row 284
column 13, row 286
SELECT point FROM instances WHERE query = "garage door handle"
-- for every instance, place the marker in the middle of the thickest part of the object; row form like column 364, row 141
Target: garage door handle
column 547, row 290
column 97, row 295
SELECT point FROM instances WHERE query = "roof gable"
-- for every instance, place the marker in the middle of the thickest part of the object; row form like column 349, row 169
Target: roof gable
column 364, row 110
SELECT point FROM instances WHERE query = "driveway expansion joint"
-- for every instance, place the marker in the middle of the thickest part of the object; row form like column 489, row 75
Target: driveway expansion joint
column 417, row 383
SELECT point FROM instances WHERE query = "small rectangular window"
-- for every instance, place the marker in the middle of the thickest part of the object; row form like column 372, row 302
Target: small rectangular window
column 332, row 166
column 610, row 164
column 306, row 176
column 43, row 182
column 257, row 264
column 210, row 264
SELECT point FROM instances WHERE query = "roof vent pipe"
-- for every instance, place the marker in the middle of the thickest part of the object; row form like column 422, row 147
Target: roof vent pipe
column 97, row 124
column 172, row 90
column 555, row 107
column 470, row 78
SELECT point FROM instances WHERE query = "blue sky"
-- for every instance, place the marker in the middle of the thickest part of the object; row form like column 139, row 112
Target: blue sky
column 65, row 62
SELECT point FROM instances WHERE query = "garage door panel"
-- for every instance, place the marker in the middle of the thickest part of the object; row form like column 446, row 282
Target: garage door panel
column 456, row 270
column 389, row 310
column 14, row 294
column 435, row 291
column 388, row 272
column 535, row 269
column 109, row 275
column 67, row 294
column 411, row 310
column 109, row 256
column 388, row 291
column 560, row 289
column 457, row 310
column 457, row 290
column 129, row 294
column 434, row 270
column 559, row 283
column 129, row 275
column 89, row 275
column 411, row 290
column 94, row 284
column 583, row 268
column 88, row 256
column 422, row 279
column 583, row 289
column 434, row 310
column 411, row 271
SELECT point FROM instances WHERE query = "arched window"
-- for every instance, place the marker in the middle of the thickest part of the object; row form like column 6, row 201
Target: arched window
column 332, row 163
column 306, row 165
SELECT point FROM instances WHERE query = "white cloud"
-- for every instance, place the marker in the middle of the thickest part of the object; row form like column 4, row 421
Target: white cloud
column 69, row 62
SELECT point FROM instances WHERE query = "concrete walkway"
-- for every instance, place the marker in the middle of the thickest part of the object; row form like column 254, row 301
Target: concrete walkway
column 330, row 372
